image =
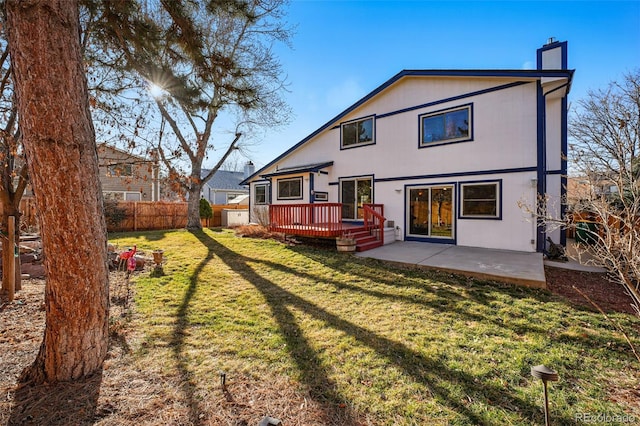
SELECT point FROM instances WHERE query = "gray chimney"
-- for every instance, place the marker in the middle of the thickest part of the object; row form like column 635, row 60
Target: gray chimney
column 249, row 169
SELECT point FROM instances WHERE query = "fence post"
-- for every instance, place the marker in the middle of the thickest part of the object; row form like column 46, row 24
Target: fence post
column 11, row 267
column 135, row 215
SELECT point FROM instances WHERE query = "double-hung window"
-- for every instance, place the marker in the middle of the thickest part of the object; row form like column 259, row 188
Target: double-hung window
column 446, row 126
column 357, row 132
column 290, row 189
column 480, row 200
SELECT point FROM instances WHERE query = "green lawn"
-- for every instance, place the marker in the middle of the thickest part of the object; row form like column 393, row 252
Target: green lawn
column 364, row 342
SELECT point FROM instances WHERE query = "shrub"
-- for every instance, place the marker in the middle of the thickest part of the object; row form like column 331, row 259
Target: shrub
column 113, row 213
column 206, row 212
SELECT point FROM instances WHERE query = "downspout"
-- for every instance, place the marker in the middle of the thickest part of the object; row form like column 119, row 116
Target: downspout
column 251, row 191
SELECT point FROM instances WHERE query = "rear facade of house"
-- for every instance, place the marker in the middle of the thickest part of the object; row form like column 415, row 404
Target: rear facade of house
column 448, row 156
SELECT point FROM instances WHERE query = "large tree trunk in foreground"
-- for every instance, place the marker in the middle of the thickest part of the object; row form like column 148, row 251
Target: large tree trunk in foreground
column 59, row 141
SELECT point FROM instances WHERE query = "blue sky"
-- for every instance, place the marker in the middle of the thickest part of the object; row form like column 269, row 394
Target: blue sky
column 342, row 50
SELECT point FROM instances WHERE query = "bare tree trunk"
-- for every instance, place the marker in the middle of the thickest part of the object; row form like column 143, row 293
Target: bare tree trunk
column 193, row 195
column 193, row 207
column 59, row 141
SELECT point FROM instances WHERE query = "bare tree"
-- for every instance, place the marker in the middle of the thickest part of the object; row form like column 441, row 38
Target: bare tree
column 212, row 69
column 59, row 142
column 605, row 151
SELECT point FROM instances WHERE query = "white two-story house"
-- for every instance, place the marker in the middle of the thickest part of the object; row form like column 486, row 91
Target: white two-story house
column 443, row 156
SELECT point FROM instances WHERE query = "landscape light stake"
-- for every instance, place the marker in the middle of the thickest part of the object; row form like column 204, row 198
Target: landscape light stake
column 545, row 374
column 223, row 380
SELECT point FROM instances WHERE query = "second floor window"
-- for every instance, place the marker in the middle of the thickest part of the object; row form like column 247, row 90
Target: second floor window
column 448, row 126
column 358, row 132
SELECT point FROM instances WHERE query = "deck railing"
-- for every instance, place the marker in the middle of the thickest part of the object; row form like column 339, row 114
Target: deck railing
column 374, row 220
column 313, row 220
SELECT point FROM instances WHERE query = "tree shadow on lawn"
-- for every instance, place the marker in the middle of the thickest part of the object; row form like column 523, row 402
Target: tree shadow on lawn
column 432, row 373
column 62, row 404
column 447, row 299
column 440, row 298
column 178, row 336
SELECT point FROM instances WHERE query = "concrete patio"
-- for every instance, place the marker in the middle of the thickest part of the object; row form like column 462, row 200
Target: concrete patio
column 498, row 265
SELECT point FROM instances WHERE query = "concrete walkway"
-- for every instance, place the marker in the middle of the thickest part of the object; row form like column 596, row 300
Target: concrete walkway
column 498, row 265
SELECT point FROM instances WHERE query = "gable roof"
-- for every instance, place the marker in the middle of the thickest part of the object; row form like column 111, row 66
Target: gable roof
column 126, row 154
column 225, row 179
column 514, row 74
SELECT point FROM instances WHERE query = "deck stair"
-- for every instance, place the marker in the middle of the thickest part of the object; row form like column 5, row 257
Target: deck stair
column 364, row 240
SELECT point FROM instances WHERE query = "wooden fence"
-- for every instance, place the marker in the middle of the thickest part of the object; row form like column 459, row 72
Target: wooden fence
column 150, row 215
column 138, row 215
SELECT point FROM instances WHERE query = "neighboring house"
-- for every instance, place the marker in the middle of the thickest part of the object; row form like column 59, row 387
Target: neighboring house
column 445, row 156
column 225, row 185
column 583, row 189
column 127, row 177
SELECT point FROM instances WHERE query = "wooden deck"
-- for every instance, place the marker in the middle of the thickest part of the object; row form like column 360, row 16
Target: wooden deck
column 325, row 221
column 322, row 230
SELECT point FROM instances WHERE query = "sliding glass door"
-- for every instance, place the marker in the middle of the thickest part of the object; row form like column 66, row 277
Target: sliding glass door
column 431, row 211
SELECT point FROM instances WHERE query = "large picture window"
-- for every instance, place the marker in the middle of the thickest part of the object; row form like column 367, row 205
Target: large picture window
column 290, row 189
column 448, row 126
column 260, row 195
column 359, row 132
column 480, row 200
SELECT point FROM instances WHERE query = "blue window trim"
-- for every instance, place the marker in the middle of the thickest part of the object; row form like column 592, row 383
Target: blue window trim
column 481, row 182
column 451, row 241
column 299, row 178
column 425, row 239
column 469, row 138
column 358, row 145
